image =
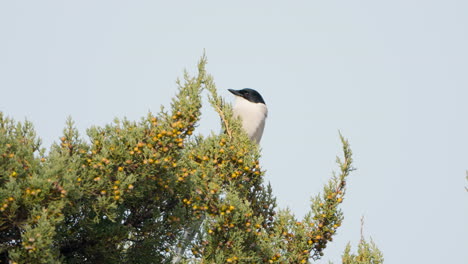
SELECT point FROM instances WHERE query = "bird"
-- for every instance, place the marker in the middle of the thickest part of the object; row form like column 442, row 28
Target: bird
column 251, row 108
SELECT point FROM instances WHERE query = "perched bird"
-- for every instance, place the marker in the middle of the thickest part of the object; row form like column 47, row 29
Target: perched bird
column 251, row 108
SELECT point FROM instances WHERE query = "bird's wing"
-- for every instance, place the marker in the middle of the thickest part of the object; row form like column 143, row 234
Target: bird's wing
column 257, row 135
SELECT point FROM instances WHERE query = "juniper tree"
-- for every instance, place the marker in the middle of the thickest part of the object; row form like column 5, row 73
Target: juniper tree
column 153, row 192
column 367, row 253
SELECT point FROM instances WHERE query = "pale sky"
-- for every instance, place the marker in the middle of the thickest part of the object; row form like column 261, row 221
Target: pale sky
column 391, row 75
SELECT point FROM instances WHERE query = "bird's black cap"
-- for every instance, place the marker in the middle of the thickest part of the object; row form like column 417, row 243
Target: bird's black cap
column 249, row 94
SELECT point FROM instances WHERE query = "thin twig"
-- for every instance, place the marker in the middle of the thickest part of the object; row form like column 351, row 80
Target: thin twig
column 226, row 124
column 362, row 228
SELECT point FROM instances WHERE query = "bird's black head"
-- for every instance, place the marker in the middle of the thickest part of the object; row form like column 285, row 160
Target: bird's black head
column 249, row 94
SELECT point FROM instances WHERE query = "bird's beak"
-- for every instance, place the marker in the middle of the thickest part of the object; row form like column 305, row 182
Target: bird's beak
column 234, row 92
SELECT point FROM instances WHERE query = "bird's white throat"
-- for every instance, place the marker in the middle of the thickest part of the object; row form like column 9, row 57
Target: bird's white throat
column 253, row 117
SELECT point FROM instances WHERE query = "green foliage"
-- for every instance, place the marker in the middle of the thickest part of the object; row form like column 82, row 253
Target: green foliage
column 152, row 192
column 368, row 253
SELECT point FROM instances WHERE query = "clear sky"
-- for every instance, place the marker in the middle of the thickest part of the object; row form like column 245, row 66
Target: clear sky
column 391, row 75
